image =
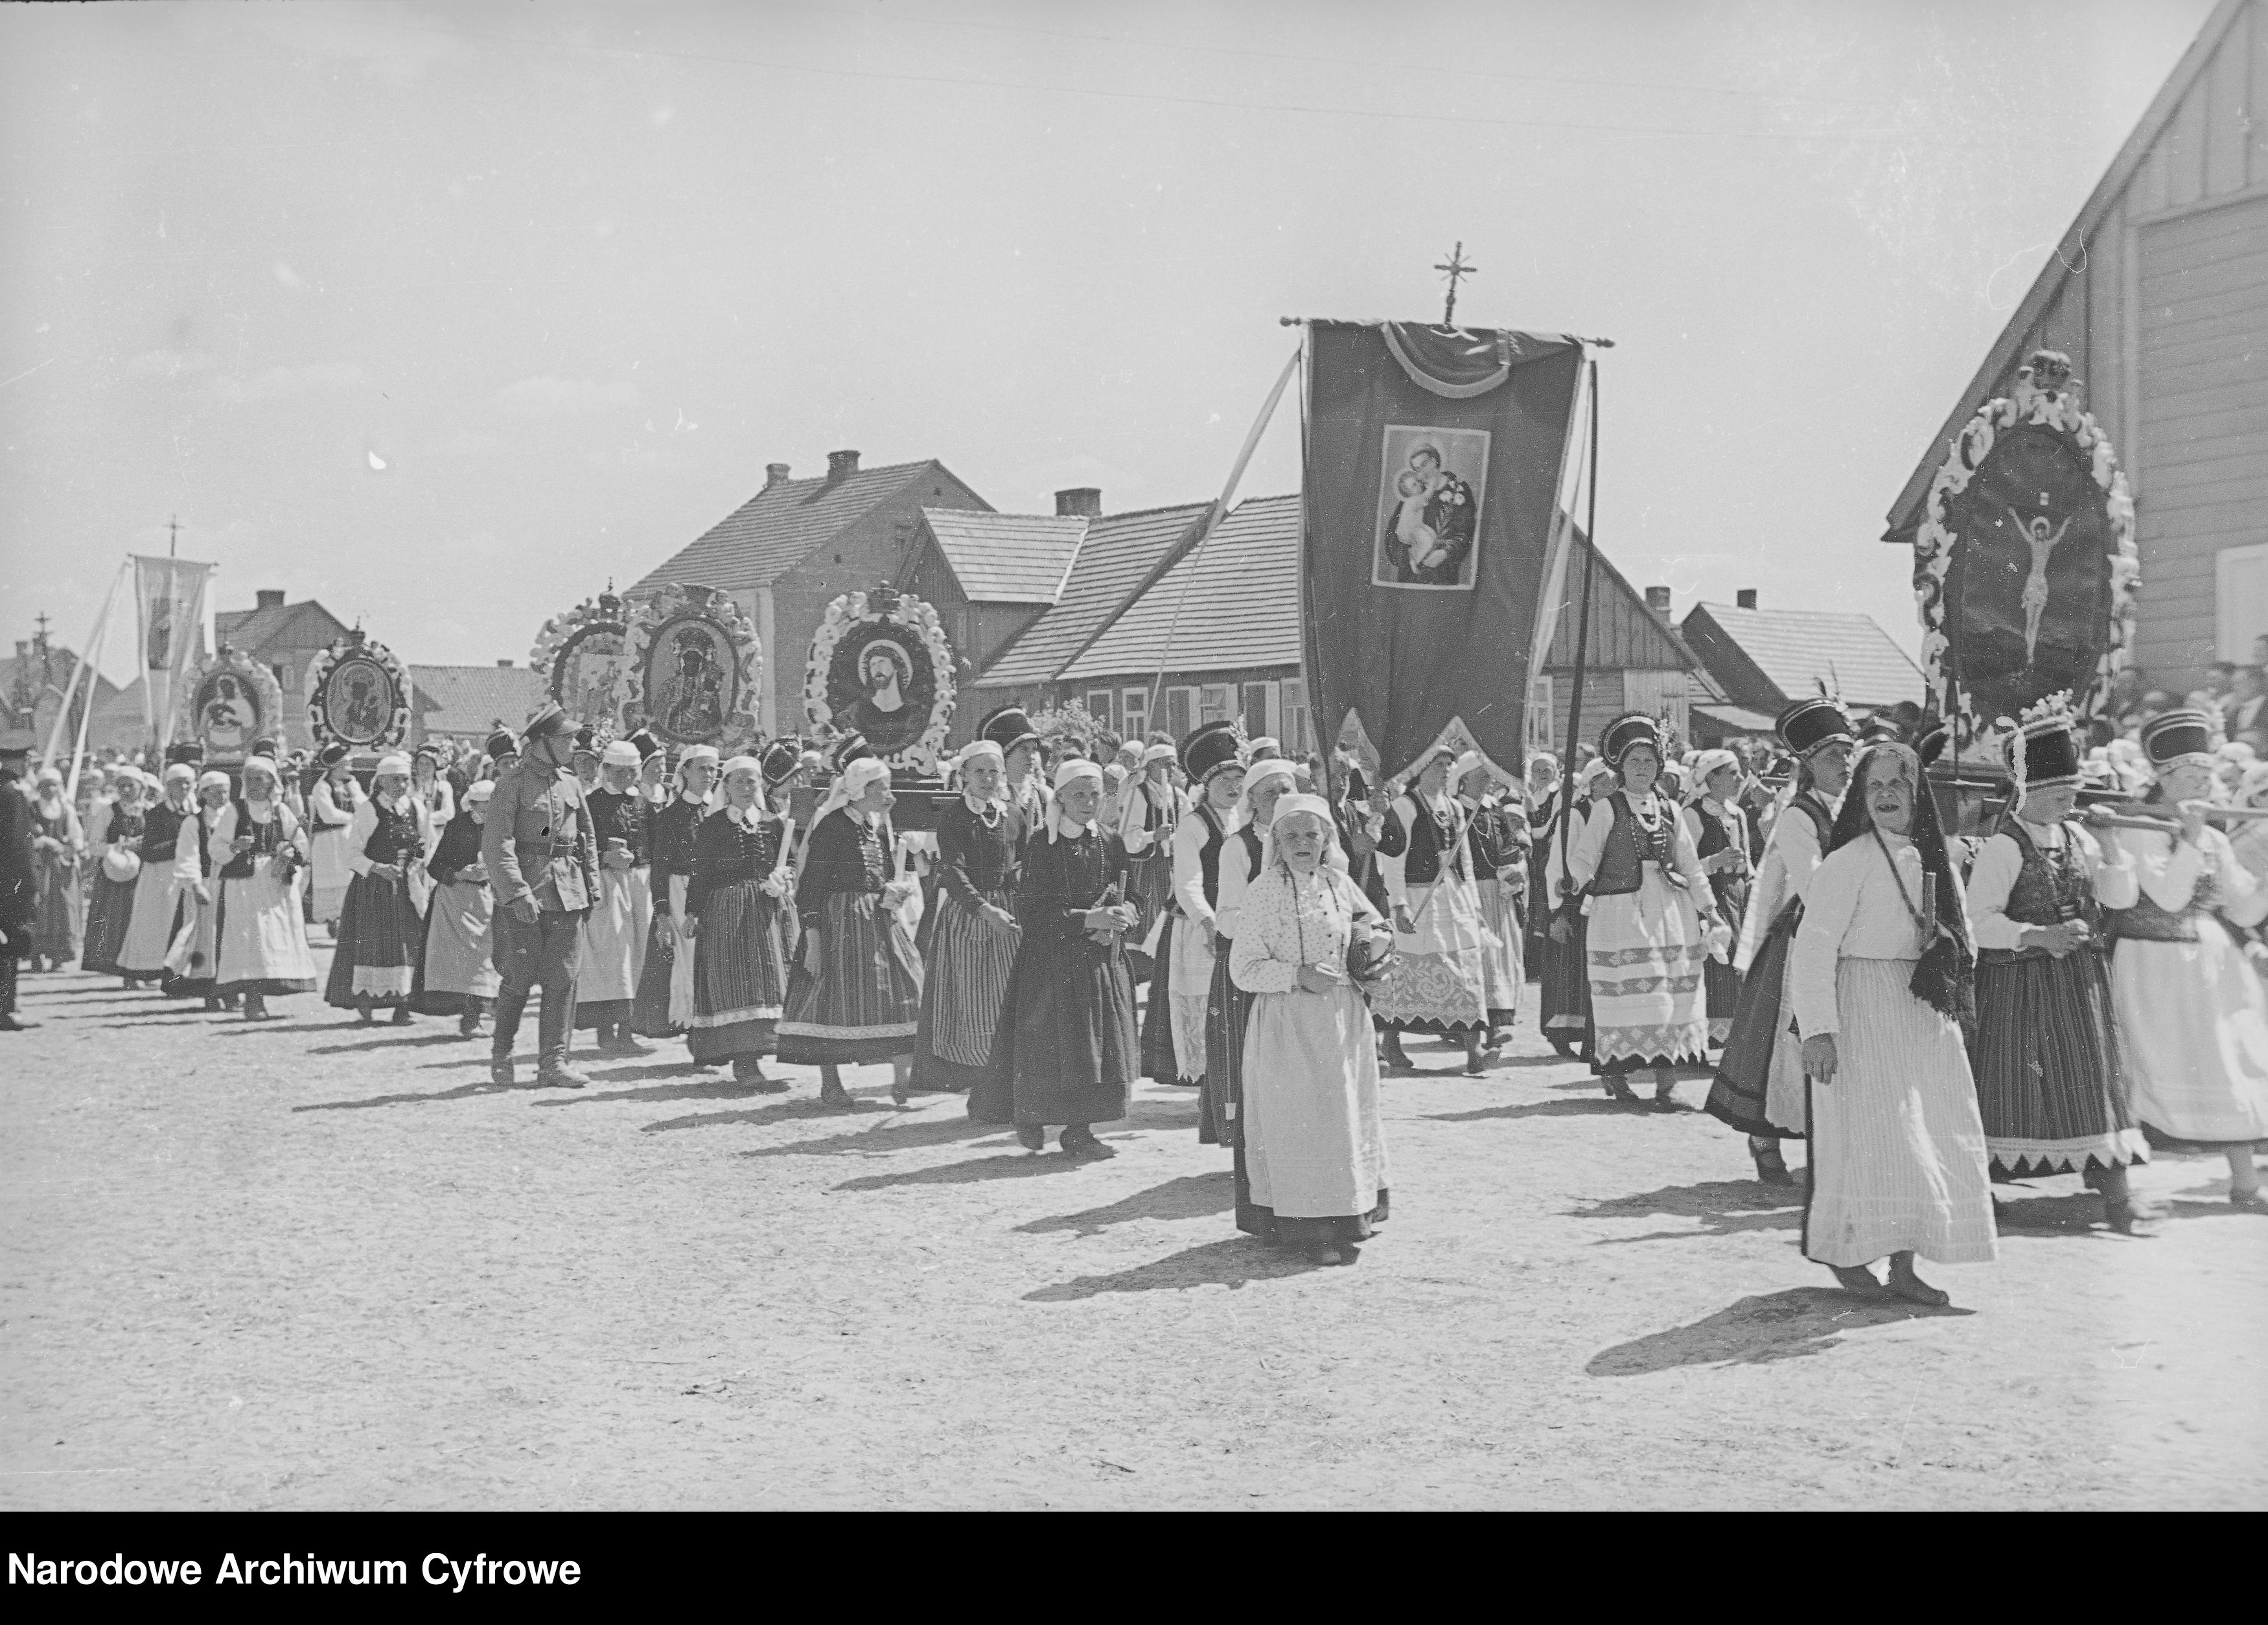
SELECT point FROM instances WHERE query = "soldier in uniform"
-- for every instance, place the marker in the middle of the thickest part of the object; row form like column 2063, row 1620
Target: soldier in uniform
column 543, row 867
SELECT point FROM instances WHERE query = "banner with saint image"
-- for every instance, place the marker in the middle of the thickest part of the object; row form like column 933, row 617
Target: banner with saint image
column 1434, row 463
column 170, row 597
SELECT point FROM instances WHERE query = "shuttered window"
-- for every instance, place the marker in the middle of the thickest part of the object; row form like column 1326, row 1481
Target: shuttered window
column 1134, row 707
column 1294, row 728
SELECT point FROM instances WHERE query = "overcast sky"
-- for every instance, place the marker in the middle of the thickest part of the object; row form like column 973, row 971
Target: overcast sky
column 573, row 274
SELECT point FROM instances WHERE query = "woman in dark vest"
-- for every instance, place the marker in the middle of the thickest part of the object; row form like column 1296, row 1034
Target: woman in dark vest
column 263, row 941
column 194, row 978
column 458, row 975
column 1180, row 984
column 169, row 870
column 1720, row 829
column 734, row 920
column 382, row 934
column 117, row 868
column 671, row 829
column 1651, row 915
column 1497, row 829
column 1437, row 983
column 2048, row 1082
column 972, row 947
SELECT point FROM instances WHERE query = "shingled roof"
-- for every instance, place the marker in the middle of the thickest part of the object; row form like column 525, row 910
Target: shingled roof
column 1007, row 558
column 1763, row 658
column 473, row 698
column 304, row 625
column 1234, row 601
column 1119, row 550
column 784, row 524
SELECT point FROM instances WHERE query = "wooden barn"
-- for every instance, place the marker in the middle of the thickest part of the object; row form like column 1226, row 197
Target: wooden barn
column 2159, row 293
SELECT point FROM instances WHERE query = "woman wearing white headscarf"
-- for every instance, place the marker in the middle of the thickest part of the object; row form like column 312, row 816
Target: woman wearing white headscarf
column 1313, row 1146
column 615, row 928
column 972, row 948
column 382, row 934
column 672, row 827
column 1066, row 1050
column 331, row 808
column 261, row 948
column 736, row 917
column 193, row 974
column 1438, row 983
column 117, row 871
column 458, row 973
column 1229, row 1013
column 1174, row 1027
column 58, row 848
column 1720, row 830
column 169, row 873
column 854, row 996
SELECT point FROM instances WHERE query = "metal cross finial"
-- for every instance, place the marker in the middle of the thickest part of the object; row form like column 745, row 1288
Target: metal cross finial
column 174, row 537
column 1455, row 267
column 40, row 621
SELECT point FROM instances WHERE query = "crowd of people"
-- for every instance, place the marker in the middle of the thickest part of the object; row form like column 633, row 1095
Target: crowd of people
column 2049, row 990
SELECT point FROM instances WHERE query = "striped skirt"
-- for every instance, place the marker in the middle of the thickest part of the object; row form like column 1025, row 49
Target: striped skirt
column 381, row 941
column 1759, row 1086
column 2048, row 1083
column 964, row 982
column 1897, row 1149
column 109, row 911
column 864, row 1004
column 1645, row 953
column 1220, row 1102
column 739, row 973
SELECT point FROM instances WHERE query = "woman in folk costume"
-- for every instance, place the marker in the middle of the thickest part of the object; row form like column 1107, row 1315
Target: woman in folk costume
column 380, row 933
column 1181, row 979
column 117, row 826
column 458, row 973
column 654, row 787
column 1881, row 977
column 433, row 791
column 2249, row 842
column 1540, row 802
column 1720, row 830
column 1153, row 809
column 2191, row 1016
column 1759, row 1087
column 169, row 870
column 1310, row 1121
column 263, row 941
column 1229, row 1010
column 615, row 930
column 972, row 950
column 734, row 916
column 1026, row 777
column 671, row 830
column 58, row 852
column 1438, row 983
column 1066, row 1051
column 192, row 976
column 1496, row 830
column 332, row 804
column 2047, row 1081
column 854, row 994
column 1651, row 916
column 1562, row 1000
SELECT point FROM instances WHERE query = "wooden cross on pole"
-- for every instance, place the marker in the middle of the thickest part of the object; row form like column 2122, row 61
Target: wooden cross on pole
column 1455, row 267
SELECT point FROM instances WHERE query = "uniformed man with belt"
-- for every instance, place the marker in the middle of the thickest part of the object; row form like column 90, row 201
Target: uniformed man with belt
column 543, row 867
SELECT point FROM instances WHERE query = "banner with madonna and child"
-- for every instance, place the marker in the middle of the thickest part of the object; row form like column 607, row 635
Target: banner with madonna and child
column 1434, row 461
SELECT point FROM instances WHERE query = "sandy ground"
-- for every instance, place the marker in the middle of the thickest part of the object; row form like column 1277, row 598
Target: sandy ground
column 304, row 1265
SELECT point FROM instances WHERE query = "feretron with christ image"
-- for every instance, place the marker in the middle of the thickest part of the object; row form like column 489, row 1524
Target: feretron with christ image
column 1432, row 483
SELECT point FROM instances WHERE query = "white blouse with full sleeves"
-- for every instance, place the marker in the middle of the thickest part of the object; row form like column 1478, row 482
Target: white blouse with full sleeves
column 1294, row 920
column 1855, row 910
column 2000, row 863
column 365, row 826
column 2170, row 871
column 1590, row 845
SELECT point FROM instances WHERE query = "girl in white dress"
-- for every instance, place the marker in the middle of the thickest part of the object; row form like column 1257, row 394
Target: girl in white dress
column 1882, row 973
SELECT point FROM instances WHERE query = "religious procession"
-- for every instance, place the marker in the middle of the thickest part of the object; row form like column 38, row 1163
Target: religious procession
column 1228, row 842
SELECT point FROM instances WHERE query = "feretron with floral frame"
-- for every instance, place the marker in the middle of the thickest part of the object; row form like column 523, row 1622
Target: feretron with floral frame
column 694, row 667
column 881, row 667
column 584, row 656
column 358, row 694
column 230, row 702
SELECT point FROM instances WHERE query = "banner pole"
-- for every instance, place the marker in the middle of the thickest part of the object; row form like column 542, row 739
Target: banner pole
column 62, row 718
column 100, row 639
column 1582, row 629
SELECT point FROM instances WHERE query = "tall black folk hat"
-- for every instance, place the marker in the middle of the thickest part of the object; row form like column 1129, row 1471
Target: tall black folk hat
column 1808, row 724
column 1210, row 749
column 1626, row 731
column 1007, row 727
column 2171, row 735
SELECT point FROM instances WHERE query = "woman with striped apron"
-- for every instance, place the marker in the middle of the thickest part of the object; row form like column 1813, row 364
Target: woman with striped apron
column 972, row 947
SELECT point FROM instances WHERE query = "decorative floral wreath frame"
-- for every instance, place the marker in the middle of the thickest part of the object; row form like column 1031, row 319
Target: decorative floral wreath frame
column 267, row 692
column 854, row 609
column 319, row 675
column 674, row 600
column 594, row 617
column 1933, row 544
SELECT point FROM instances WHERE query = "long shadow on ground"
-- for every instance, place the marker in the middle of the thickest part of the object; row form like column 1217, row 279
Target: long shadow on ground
column 1229, row 1263
column 1591, row 1108
column 1190, row 1197
column 882, row 1137
column 1780, row 1326
column 463, row 1091
column 1019, row 1164
column 1724, row 1208
column 414, row 1040
column 695, row 1088
column 801, row 1106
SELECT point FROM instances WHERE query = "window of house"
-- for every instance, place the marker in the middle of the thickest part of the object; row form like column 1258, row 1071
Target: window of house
column 2241, row 599
column 1540, row 713
column 1293, row 727
column 1259, row 710
column 1098, row 706
column 1180, row 711
column 1216, row 703
column 1134, row 710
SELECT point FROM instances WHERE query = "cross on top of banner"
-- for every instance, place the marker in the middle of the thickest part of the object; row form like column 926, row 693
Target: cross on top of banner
column 1455, row 267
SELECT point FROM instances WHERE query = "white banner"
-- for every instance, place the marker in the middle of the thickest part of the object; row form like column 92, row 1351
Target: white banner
column 170, row 595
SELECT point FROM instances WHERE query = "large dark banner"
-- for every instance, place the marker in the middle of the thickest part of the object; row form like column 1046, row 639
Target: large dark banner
column 1434, row 458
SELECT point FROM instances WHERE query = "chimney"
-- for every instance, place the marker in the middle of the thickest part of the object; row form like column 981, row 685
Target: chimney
column 1745, row 598
column 841, row 466
column 1657, row 600
column 1083, row 502
column 268, row 597
column 775, row 473
column 503, row 665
